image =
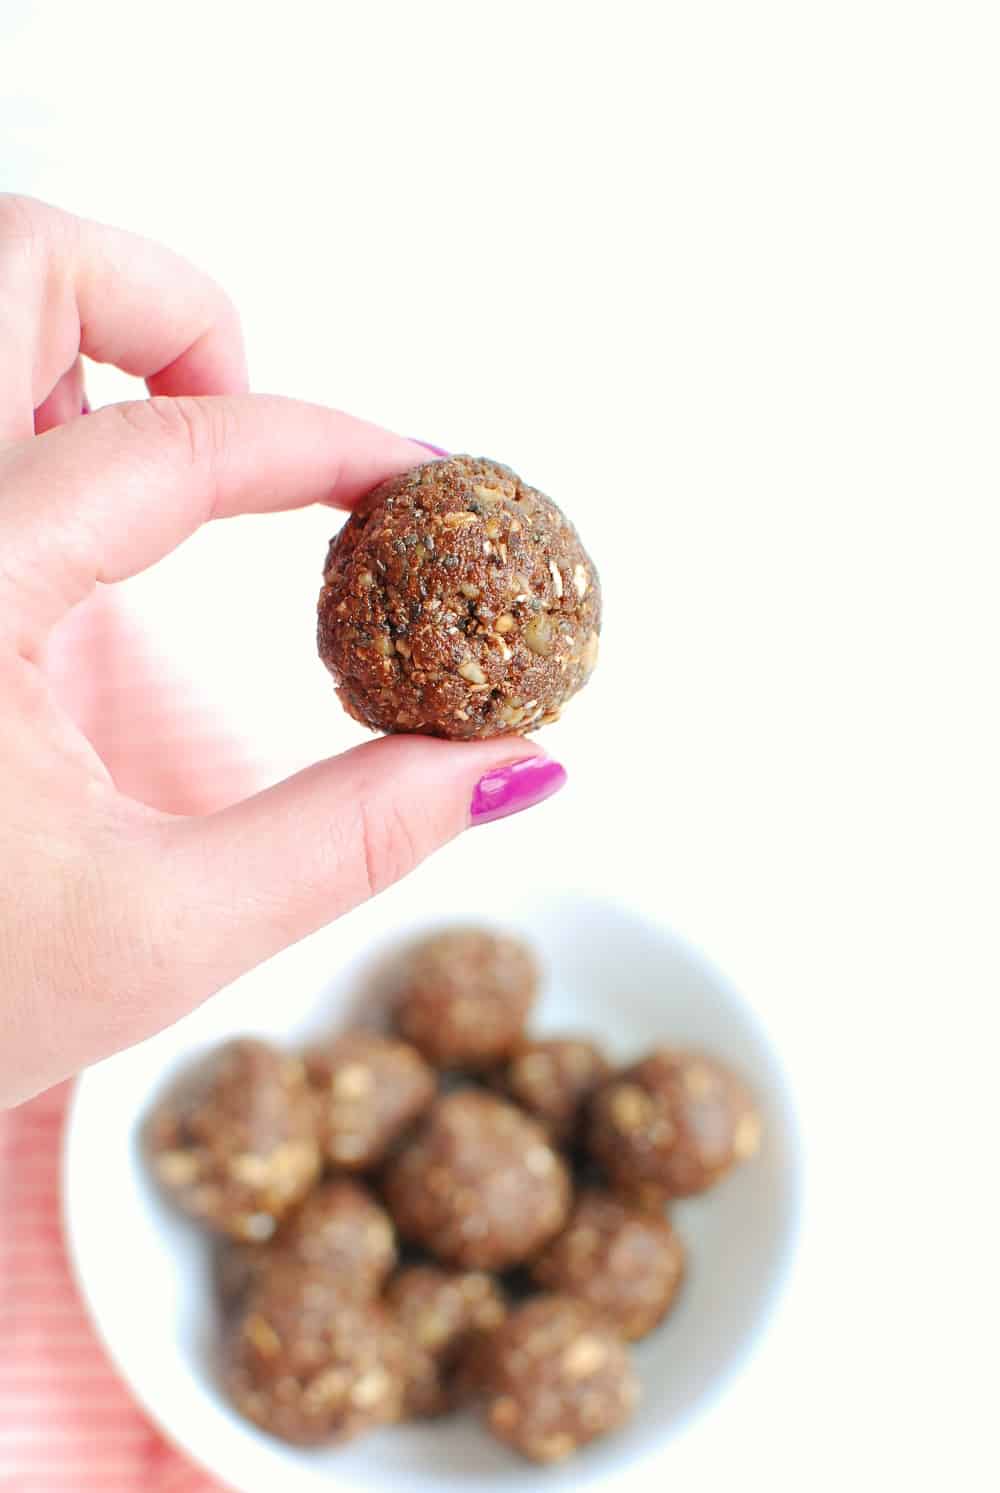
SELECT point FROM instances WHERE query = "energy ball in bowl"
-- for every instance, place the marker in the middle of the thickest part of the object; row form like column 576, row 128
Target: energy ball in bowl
column 480, row 1186
column 309, row 1364
column 458, row 602
column 558, row 1377
column 462, row 996
column 552, row 1078
column 234, row 1142
column 339, row 1229
column 443, row 1315
column 369, row 1089
column 624, row 1262
column 672, row 1124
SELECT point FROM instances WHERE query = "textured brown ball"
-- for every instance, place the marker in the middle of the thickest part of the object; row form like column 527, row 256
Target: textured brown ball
column 625, row 1262
column 480, row 1186
column 672, row 1125
column 339, row 1229
column 552, row 1078
column 558, row 1377
column 311, row 1365
column 234, row 1139
column 369, row 1089
column 462, row 996
column 458, row 602
column 443, row 1315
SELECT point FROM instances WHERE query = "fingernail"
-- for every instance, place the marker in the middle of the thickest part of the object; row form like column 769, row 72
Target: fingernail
column 438, row 450
column 519, row 785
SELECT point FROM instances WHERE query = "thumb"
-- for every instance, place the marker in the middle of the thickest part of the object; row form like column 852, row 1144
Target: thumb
column 254, row 878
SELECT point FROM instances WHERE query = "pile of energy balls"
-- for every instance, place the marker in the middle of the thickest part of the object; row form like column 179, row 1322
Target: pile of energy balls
column 455, row 1212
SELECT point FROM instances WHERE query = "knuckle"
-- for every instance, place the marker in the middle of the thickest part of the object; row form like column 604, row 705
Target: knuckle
column 186, row 430
column 388, row 845
column 175, row 423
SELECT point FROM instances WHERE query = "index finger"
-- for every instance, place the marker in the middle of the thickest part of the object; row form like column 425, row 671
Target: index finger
column 103, row 498
column 69, row 286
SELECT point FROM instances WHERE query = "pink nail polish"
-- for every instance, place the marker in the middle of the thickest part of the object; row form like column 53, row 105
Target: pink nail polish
column 519, row 785
column 438, row 450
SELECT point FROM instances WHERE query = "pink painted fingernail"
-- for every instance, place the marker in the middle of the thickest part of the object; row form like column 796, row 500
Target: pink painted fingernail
column 519, row 785
column 438, row 450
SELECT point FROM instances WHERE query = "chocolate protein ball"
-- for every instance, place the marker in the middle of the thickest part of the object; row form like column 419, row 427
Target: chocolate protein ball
column 339, row 1229
column 309, row 1364
column 443, row 1315
column 234, row 1140
column 558, row 1376
column 672, row 1124
column 552, row 1078
column 369, row 1089
column 462, row 996
column 625, row 1262
column 458, row 602
column 479, row 1186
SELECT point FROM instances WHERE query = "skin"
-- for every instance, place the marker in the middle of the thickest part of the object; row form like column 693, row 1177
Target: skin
column 141, row 869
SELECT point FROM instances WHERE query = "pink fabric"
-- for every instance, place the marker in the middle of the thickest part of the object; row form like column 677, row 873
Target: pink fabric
column 67, row 1423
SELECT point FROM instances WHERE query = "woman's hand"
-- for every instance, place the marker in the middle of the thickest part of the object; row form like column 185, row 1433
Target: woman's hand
column 118, row 915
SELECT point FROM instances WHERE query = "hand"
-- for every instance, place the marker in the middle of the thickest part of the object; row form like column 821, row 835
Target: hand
column 118, row 915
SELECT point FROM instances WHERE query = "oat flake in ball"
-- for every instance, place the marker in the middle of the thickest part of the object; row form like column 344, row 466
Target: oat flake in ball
column 458, row 602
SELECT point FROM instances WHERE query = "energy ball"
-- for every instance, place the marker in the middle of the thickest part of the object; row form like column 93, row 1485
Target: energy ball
column 443, row 1315
column 675, row 1123
column 462, row 996
column 552, row 1078
column 480, row 1186
column 339, row 1229
column 369, row 1089
column 624, row 1262
column 311, row 1365
column 234, row 1140
column 558, row 1376
column 458, row 602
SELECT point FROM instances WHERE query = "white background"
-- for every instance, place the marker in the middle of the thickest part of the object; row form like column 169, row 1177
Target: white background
column 724, row 279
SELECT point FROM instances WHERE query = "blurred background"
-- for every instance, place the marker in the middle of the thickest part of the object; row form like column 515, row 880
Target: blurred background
column 723, row 279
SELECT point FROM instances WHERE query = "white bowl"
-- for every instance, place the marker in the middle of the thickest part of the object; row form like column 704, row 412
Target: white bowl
column 144, row 1271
